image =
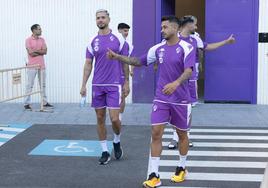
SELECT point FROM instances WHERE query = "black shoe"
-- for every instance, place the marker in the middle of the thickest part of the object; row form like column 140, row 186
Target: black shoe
column 27, row 107
column 105, row 158
column 191, row 144
column 47, row 105
column 118, row 151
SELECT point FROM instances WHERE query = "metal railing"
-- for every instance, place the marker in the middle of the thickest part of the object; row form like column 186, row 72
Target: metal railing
column 13, row 83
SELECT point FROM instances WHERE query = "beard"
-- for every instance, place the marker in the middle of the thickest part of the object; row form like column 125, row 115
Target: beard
column 102, row 26
column 164, row 36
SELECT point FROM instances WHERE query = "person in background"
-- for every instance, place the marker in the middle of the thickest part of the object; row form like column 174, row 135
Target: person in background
column 123, row 28
column 36, row 48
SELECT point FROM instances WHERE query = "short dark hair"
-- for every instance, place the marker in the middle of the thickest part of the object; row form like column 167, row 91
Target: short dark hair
column 171, row 19
column 123, row 26
column 186, row 19
column 34, row 26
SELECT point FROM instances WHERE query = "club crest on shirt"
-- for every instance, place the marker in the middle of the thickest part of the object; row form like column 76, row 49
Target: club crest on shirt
column 178, row 50
column 96, row 44
column 154, row 107
column 111, row 38
column 161, row 55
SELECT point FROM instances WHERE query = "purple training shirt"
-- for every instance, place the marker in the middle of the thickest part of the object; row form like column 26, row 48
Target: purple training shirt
column 172, row 61
column 106, row 71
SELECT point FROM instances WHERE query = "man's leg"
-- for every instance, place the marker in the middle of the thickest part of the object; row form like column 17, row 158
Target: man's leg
column 116, row 125
column 31, row 74
column 159, row 118
column 102, row 133
column 113, row 103
column 99, row 103
column 183, row 147
column 101, row 128
column 156, row 150
column 174, row 142
column 156, row 146
column 180, row 117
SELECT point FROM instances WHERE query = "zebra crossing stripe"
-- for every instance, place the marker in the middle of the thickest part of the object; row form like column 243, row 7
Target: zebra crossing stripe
column 210, row 139
column 220, row 164
column 217, row 176
column 218, row 153
column 221, row 137
column 227, row 145
column 9, row 136
column 19, row 130
column 194, row 130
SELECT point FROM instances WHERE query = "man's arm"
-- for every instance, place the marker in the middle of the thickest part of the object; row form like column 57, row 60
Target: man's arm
column 124, row 59
column 42, row 51
column 171, row 87
column 214, row 46
column 126, row 88
column 86, row 74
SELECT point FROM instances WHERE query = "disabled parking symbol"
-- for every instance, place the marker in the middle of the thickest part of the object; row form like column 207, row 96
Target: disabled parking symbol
column 72, row 147
column 90, row 148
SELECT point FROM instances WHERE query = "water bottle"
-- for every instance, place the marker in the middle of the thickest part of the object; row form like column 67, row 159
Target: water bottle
column 83, row 101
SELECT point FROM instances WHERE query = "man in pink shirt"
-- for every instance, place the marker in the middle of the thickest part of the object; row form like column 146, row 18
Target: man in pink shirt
column 36, row 49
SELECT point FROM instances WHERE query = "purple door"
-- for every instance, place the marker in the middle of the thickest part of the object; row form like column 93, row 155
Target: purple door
column 231, row 71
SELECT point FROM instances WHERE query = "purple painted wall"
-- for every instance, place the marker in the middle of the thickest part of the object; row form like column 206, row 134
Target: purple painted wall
column 231, row 71
column 144, row 35
column 147, row 32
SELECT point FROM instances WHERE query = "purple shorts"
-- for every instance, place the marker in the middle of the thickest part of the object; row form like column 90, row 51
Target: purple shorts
column 177, row 115
column 193, row 90
column 106, row 96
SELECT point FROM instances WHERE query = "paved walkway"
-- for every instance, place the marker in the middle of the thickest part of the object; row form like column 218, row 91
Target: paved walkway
column 231, row 147
column 139, row 114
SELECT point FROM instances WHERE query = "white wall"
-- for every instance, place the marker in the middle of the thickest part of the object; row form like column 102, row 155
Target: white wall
column 262, row 94
column 67, row 27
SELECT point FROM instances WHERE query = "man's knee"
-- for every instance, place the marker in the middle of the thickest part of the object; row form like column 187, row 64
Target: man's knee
column 100, row 117
column 183, row 135
column 115, row 119
column 157, row 133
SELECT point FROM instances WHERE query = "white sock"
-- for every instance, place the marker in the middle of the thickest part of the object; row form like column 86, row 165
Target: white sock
column 188, row 133
column 155, row 165
column 175, row 135
column 116, row 138
column 104, row 145
column 182, row 161
column 120, row 116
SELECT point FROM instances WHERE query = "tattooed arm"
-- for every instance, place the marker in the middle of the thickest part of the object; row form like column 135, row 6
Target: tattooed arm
column 127, row 60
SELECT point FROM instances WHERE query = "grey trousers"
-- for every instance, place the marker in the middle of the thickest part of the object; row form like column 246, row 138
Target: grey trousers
column 31, row 74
